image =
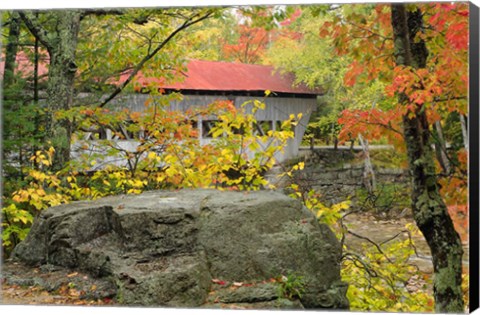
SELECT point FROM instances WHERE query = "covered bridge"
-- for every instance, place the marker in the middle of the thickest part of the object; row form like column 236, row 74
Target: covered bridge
column 208, row 81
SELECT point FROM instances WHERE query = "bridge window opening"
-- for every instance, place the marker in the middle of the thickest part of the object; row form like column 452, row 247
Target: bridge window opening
column 98, row 134
column 262, row 127
column 278, row 126
column 207, row 126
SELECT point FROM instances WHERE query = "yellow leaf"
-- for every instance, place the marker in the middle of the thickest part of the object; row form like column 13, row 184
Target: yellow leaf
column 34, row 196
column 152, row 155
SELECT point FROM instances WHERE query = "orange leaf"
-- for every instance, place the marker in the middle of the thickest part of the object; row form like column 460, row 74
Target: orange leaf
column 351, row 76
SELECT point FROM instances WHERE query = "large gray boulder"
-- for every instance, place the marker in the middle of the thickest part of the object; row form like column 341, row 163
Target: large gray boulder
column 164, row 248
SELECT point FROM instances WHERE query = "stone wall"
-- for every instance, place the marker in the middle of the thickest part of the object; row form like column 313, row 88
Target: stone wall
column 338, row 174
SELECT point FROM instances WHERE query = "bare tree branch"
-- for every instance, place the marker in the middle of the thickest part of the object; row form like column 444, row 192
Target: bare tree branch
column 369, row 31
column 386, row 126
column 36, row 29
column 450, row 98
column 100, row 12
column 191, row 21
column 371, row 242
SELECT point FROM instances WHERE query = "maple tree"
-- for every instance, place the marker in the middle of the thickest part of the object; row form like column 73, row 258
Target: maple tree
column 258, row 27
column 250, row 45
column 316, row 63
column 376, row 95
column 240, row 34
column 414, row 49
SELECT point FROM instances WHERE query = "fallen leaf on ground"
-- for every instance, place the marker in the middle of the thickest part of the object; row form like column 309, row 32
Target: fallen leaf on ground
column 219, row 282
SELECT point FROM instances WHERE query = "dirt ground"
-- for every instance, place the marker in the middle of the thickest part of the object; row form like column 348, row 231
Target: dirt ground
column 380, row 230
column 23, row 285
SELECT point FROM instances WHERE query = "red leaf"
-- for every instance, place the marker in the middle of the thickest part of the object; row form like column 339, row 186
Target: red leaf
column 457, row 35
column 219, row 282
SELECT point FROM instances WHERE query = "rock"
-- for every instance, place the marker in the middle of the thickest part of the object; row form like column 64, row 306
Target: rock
column 251, row 294
column 163, row 248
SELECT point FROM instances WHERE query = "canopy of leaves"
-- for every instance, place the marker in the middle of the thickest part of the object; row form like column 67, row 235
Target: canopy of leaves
column 114, row 45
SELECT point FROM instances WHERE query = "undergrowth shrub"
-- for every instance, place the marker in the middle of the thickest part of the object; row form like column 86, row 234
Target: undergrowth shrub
column 168, row 156
column 378, row 276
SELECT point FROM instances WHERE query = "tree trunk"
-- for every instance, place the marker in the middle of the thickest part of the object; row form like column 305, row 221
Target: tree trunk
column 61, row 77
column 11, row 49
column 429, row 210
column 36, row 60
column 463, row 122
column 441, row 148
column 368, row 173
column 9, row 93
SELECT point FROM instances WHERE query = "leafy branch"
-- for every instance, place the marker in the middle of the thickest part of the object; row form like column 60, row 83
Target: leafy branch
column 194, row 19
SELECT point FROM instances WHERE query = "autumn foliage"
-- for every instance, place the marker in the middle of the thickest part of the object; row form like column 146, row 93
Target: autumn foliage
column 250, row 45
column 420, row 53
column 438, row 89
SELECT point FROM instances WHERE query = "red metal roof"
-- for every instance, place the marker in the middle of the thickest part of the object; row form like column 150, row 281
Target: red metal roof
column 230, row 76
column 208, row 76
